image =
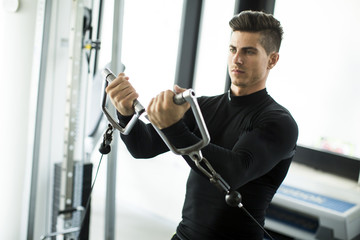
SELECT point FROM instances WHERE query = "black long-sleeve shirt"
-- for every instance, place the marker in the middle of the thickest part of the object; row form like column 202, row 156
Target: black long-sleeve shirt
column 252, row 144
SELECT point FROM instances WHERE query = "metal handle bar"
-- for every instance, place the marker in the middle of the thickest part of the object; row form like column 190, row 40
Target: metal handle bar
column 139, row 109
column 194, row 150
column 233, row 198
column 186, row 96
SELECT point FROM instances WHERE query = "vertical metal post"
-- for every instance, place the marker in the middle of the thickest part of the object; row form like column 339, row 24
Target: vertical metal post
column 42, row 37
column 255, row 5
column 116, row 66
column 110, row 205
column 71, row 99
column 190, row 26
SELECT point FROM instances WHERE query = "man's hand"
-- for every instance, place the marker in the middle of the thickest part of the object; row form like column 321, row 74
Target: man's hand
column 163, row 112
column 122, row 95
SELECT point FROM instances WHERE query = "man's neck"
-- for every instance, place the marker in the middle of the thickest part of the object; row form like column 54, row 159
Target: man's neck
column 243, row 91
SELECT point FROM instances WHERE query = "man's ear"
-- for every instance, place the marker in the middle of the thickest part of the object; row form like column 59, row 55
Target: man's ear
column 274, row 58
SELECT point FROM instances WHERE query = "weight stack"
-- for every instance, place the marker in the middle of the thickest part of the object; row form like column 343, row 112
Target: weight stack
column 81, row 193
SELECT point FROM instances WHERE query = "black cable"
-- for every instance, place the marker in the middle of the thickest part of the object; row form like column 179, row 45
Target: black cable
column 88, row 200
column 232, row 198
column 262, row 228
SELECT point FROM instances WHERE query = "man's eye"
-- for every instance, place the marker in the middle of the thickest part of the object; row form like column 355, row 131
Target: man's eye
column 250, row 52
column 232, row 50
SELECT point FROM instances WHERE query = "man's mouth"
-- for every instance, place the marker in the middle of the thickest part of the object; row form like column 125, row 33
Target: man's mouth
column 236, row 70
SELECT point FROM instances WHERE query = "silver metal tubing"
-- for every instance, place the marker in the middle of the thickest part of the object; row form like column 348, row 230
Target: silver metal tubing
column 186, row 96
column 194, row 150
column 139, row 109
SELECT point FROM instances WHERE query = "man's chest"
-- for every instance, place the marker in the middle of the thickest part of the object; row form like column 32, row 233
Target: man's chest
column 226, row 125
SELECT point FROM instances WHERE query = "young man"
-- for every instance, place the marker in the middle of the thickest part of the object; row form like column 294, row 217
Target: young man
column 253, row 138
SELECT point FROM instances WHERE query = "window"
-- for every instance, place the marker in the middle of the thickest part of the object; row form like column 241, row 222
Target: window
column 317, row 76
column 150, row 45
column 211, row 65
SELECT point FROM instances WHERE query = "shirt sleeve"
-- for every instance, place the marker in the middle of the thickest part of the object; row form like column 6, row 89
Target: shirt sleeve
column 254, row 154
column 143, row 141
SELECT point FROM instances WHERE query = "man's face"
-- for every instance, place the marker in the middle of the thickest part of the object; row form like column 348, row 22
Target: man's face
column 248, row 63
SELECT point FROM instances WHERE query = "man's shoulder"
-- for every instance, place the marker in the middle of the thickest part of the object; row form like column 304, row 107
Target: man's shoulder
column 211, row 100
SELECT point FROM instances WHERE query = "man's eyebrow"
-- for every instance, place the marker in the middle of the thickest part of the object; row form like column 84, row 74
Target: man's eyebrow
column 244, row 48
column 249, row 48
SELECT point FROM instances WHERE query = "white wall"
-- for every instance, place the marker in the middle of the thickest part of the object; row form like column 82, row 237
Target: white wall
column 17, row 45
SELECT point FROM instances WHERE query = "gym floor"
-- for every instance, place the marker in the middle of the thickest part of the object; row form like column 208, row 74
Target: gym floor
column 132, row 224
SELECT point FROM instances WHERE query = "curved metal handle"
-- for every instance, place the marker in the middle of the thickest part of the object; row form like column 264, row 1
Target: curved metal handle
column 194, row 150
column 139, row 109
column 181, row 98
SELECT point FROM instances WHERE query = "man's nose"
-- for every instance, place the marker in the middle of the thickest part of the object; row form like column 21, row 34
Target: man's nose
column 237, row 59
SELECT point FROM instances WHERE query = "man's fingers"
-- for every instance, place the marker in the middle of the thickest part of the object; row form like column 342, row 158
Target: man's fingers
column 178, row 89
column 122, row 94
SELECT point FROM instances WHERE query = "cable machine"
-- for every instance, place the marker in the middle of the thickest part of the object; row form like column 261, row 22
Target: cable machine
column 68, row 211
column 72, row 176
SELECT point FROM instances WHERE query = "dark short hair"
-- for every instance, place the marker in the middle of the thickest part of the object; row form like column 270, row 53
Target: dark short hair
column 255, row 21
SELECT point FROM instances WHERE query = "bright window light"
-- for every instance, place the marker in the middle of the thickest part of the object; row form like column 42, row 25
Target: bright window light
column 211, row 64
column 317, row 76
